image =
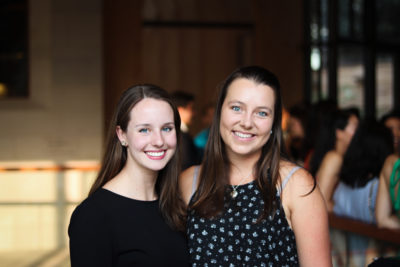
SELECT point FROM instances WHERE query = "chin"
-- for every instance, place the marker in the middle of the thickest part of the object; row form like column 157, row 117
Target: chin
column 245, row 151
column 156, row 168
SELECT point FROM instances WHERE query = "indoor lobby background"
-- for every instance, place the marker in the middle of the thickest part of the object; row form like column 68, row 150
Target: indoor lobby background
column 60, row 80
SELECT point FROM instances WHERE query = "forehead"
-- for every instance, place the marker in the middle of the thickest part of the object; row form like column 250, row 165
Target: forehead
column 250, row 92
column 150, row 110
column 392, row 122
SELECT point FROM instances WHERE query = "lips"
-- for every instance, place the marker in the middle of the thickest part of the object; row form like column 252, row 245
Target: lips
column 243, row 135
column 157, row 155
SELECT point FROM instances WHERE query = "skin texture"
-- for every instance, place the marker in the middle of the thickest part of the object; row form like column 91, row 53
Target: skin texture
column 383, row 210
column 328, row 172
column 394, row 125
column 246, row 121
column 151, row 142
column 328, row 176
column 186, row 113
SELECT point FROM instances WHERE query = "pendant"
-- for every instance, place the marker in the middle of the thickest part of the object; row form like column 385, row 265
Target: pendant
column 234, row 194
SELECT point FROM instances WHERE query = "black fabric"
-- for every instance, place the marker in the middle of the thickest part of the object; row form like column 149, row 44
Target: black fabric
column 108, row 229
column 190, row 154
column 235, row 239
column 385, row 262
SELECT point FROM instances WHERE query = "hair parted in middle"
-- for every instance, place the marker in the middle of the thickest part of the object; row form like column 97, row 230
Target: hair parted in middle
column 115, row 154
column 214, row 176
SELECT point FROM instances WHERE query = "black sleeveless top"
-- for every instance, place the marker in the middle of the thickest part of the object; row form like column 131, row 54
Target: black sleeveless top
column 235, row 239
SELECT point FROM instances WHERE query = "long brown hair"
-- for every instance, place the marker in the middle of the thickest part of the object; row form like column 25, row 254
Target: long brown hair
column 115, row 155
column 214, row 175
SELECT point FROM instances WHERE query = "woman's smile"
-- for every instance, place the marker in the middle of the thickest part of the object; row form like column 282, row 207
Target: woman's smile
column 243, row 135
column 156, row 155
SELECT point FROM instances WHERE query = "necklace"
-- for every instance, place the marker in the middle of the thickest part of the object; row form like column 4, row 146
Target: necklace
column 234, row 192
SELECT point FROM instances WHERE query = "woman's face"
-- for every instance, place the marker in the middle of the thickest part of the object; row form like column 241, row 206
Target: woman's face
column 247, row 116
column 348, row 132
column 150, row 135
column 394, row 125
column 352, row 125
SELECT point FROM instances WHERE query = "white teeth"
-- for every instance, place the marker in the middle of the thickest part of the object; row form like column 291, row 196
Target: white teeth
column 156, row 154
column 242, row 135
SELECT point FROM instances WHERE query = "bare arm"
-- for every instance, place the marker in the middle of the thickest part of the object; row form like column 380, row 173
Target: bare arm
column 307, row 215
column 328, row 176
column 383, row 210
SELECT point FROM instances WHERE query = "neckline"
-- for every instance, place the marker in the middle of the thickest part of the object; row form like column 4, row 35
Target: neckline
column 128, row 198
column 241, row 185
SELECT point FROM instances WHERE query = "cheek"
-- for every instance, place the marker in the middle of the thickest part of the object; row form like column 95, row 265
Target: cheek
column 138, row 142
column 171, row 141
column 265, row 125
column 397, row 129
column 225, row 126
column 227, row 120
column 352, row 131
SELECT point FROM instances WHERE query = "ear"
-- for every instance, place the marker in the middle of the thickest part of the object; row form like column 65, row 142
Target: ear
column 121, row 134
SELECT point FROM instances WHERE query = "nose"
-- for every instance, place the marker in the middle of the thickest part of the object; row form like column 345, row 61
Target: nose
column 246, row 121
column 157, row 139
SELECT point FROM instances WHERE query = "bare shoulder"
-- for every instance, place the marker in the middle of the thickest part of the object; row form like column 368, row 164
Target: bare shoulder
column 388, row 166
column 330, row 166
column 186, row 183
column 390, row 160
column 301, row 182
column 299, row 193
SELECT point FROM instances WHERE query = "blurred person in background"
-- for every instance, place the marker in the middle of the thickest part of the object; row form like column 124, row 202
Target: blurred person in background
column 392, row 121
column 355, row 191
column 333, row 140
column 200, row 140
column 297, row 143
column 388, row 199
column 189, row 153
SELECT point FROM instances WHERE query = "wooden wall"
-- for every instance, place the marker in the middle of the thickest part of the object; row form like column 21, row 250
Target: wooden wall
column 192, row 45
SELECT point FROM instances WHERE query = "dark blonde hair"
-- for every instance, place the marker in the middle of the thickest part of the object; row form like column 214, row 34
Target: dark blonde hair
column 115, row 156
column 214, row 175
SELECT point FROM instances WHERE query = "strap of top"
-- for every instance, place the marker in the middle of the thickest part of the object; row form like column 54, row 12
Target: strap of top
column 395, row 184
column 194, row 183
column 287, row 178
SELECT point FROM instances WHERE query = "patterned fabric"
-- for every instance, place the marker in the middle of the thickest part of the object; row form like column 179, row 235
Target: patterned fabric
column 235, row 239
column 394, row 187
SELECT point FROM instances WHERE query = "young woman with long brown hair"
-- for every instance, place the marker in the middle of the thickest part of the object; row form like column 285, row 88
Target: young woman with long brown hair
column 132, row 215
column 247, row 204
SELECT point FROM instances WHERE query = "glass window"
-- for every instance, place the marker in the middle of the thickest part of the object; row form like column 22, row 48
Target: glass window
column 384, row 84
column 388, row 20
column 344, row 18
column 324, row 32
column 351, row 78
column 350, row 19
column 319, row 68
column 369, row 27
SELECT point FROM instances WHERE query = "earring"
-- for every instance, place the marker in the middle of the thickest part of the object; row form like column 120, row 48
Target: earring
column 270, row 132
column 123, row 143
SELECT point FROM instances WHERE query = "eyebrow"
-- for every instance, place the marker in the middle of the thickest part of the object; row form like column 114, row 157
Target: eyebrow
column 148, row 124
column 242, row 103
